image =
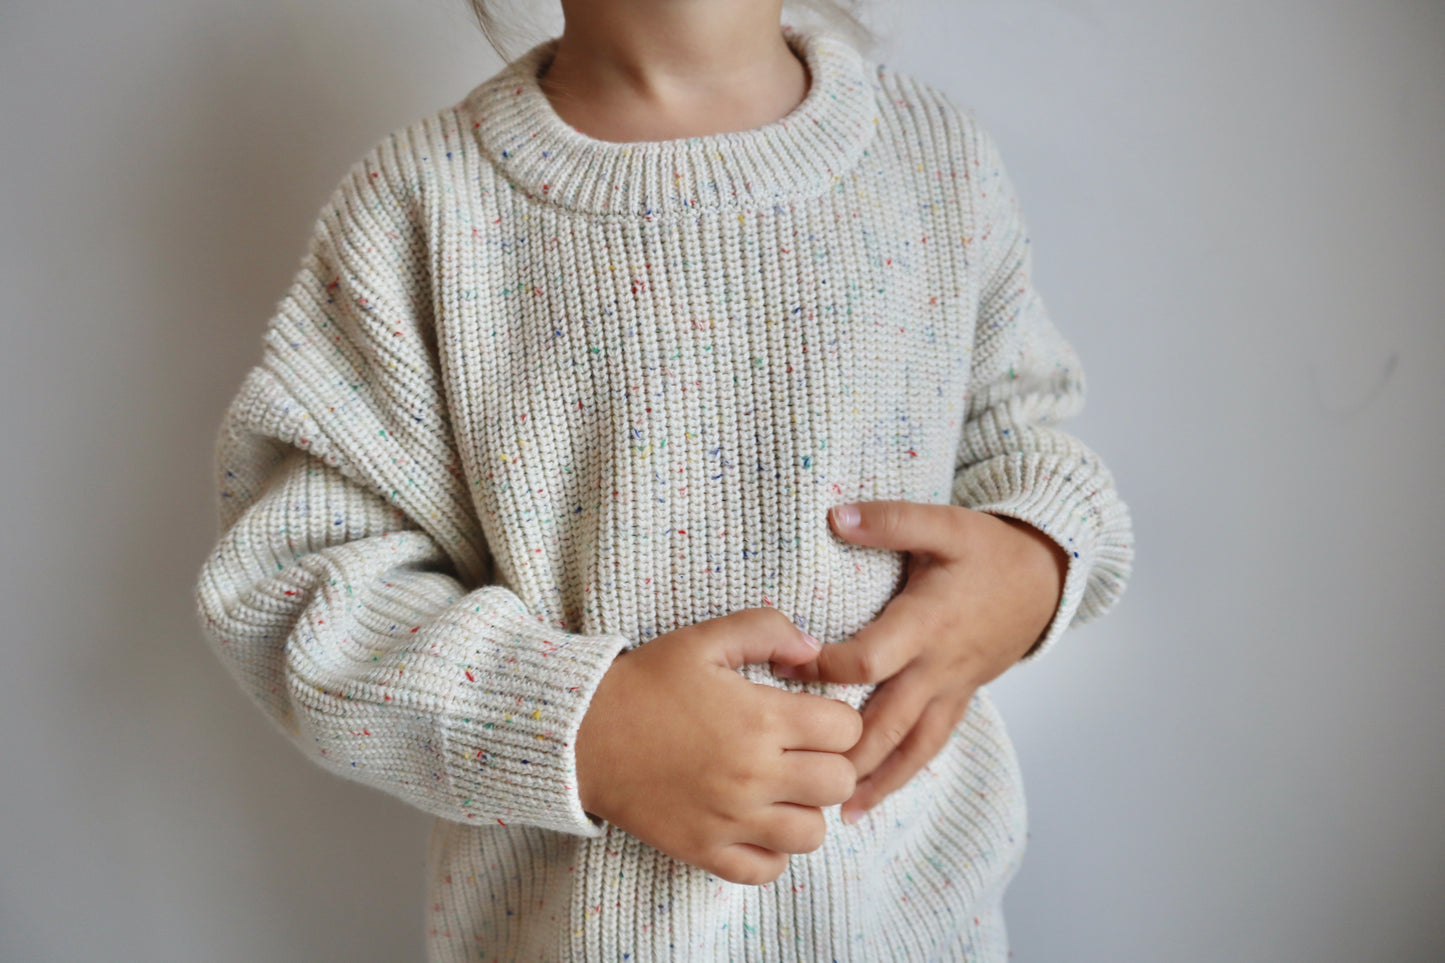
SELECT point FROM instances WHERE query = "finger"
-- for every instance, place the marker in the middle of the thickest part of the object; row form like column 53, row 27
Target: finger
column 889, row 717
column 786, row 828
column 878, row 651
column 748, row 864
column 816, row 778
column 923, row 743
column 757, row 635
column 814, row 722
column 903, row 526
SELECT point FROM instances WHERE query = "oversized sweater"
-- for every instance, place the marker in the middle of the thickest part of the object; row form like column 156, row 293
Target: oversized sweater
column 535, row 398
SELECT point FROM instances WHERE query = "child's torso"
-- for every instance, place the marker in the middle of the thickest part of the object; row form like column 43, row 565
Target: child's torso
column 653, row 415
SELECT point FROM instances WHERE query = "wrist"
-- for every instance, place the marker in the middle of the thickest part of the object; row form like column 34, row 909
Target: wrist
column 1043, row 566
column 590, row 749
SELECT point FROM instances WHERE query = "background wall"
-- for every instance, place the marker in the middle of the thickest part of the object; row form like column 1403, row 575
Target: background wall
column 1238, row 213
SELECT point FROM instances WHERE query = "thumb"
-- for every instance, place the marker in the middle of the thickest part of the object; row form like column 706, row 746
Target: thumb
column 903, row 526
column 761, row 635
column 877, row 652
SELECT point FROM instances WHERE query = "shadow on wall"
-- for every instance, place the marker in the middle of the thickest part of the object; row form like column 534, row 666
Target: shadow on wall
column 252, row 127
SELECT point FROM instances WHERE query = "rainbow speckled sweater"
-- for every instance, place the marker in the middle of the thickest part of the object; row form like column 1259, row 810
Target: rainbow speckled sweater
column 534, row 398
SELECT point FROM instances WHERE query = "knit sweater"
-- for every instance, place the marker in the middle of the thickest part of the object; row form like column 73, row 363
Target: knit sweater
column 534, row 398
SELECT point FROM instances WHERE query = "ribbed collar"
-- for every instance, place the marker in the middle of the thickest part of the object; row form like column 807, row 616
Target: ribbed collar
column 798, row 155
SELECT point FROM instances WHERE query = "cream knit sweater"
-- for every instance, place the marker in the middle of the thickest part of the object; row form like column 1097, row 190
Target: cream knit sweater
column 535, row 398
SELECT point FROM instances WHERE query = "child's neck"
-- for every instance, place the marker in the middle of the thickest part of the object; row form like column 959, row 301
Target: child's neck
column 645, row 71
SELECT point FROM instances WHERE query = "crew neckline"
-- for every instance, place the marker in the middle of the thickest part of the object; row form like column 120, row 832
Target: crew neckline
column 798, row 155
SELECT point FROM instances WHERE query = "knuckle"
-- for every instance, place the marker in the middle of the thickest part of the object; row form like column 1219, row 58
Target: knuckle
column 760, row 727
column 749, row 876
column 870, row 665
column 755, row 869
column 812, row 835
column 745, row 774
column 894, row 733
column 679, row 641
column 764, row 620
column 779, row 622
column 734, row 867
column 801, row 832
column 748, row 619
column 841, row 781
column 773, row 867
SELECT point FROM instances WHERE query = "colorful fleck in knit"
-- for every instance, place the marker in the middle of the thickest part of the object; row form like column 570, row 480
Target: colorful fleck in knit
column 535, row 398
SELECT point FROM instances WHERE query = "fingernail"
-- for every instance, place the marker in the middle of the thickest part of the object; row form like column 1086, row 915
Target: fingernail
column 812, row 641
column 846, row 516
column 850, row 816
column 785, row 672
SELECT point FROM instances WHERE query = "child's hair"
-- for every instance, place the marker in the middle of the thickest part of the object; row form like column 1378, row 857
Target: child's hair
column 842, row 16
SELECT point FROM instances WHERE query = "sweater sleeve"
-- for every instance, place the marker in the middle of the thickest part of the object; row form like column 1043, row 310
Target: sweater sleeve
column 1025, row 379
column 349, row 593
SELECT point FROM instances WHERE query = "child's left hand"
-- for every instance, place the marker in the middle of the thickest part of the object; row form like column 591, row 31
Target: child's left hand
column 981, row 590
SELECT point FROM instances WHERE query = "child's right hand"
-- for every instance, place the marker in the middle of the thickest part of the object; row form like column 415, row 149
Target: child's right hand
column 683, row 752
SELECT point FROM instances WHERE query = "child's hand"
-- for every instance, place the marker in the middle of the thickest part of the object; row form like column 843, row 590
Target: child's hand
column 981, row 590
column 683, row 752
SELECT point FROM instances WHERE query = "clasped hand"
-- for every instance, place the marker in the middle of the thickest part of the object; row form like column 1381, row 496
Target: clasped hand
column 981, row 590
column 742, row 784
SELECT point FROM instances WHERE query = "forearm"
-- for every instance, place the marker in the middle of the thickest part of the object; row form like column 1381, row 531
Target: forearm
column 1013, row 460
column 1044, row 570
column 346, row 625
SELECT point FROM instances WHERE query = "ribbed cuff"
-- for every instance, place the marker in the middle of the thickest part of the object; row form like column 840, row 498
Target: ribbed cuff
column 1042, row 491
column 514, row 714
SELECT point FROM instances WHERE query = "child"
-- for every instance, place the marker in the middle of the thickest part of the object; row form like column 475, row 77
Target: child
column 533, row 481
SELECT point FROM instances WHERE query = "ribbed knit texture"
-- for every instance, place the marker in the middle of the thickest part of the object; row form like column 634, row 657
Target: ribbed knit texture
column 534, row 398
